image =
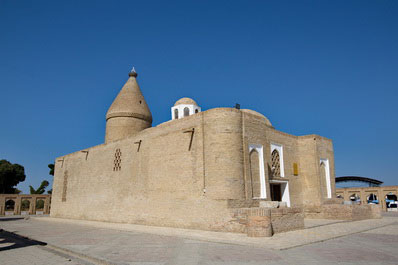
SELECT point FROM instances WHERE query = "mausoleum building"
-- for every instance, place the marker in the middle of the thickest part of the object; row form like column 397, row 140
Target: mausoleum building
column 208, row 170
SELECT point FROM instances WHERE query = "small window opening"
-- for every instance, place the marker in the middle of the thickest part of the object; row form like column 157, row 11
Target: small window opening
column 186, row 112
column 175, row 113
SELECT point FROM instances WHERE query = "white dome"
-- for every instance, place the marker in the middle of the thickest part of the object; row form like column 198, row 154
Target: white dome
column 184, row 107
column 185, row 101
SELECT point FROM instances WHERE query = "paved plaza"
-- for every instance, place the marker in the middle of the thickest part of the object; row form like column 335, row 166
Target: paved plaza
column 44, row 240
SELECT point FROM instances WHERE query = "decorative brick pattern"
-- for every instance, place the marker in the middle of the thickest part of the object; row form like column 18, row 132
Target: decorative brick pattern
column 275, row 163
column 118, row 160
column 65, row 186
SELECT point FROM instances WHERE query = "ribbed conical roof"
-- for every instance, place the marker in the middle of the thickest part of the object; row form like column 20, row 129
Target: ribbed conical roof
column 130, row 102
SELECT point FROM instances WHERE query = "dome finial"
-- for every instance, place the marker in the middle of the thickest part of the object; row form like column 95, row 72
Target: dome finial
column 133, row 72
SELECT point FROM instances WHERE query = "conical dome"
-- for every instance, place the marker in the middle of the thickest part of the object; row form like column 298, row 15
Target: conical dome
column 129, row 112
column 130, row 102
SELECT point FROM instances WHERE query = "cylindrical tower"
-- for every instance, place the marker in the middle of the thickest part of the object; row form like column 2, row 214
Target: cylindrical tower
column 128, row 113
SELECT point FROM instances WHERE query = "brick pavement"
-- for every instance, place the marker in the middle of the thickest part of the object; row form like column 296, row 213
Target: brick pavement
column 129, row 244
column 15, row 250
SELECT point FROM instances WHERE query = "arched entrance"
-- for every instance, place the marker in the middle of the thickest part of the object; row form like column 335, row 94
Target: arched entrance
column 39, row 206
column 25, row 206
column 9, row 207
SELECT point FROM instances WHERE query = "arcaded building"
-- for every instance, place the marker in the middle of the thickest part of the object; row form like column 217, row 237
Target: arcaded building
column 201, row 169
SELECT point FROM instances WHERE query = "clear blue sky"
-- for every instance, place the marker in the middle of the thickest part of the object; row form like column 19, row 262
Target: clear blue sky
column 323, row 67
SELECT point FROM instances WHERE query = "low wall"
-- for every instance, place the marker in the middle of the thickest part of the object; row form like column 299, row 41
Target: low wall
column 19, row 198
column 261, row 221
column 364, row 192
column 343, row 212
column 287, row 219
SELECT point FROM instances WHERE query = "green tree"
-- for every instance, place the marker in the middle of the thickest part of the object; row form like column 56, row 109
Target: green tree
column 10, row 175
column 51, row 167
column 40, row 190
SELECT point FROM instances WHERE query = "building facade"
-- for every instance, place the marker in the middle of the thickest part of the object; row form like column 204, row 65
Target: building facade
column 197, row 170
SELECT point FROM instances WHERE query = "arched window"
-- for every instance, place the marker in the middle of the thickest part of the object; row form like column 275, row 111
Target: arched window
column 196, row 111
column 322, row 176
column 175, row 113
column 372, row 199
column 186, row 111
column 10, row 204
column 255, row 173
column 275, row 163
column 391, row 200
column 391, row 196
column 39, row 204
column 355, row 198
column 25, row 205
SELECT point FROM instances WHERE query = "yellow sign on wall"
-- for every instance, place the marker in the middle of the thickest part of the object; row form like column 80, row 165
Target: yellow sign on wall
column 295, row 169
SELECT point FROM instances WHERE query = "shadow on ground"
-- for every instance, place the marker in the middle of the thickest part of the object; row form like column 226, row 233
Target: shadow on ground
column 11, row 219
column 10, row 240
